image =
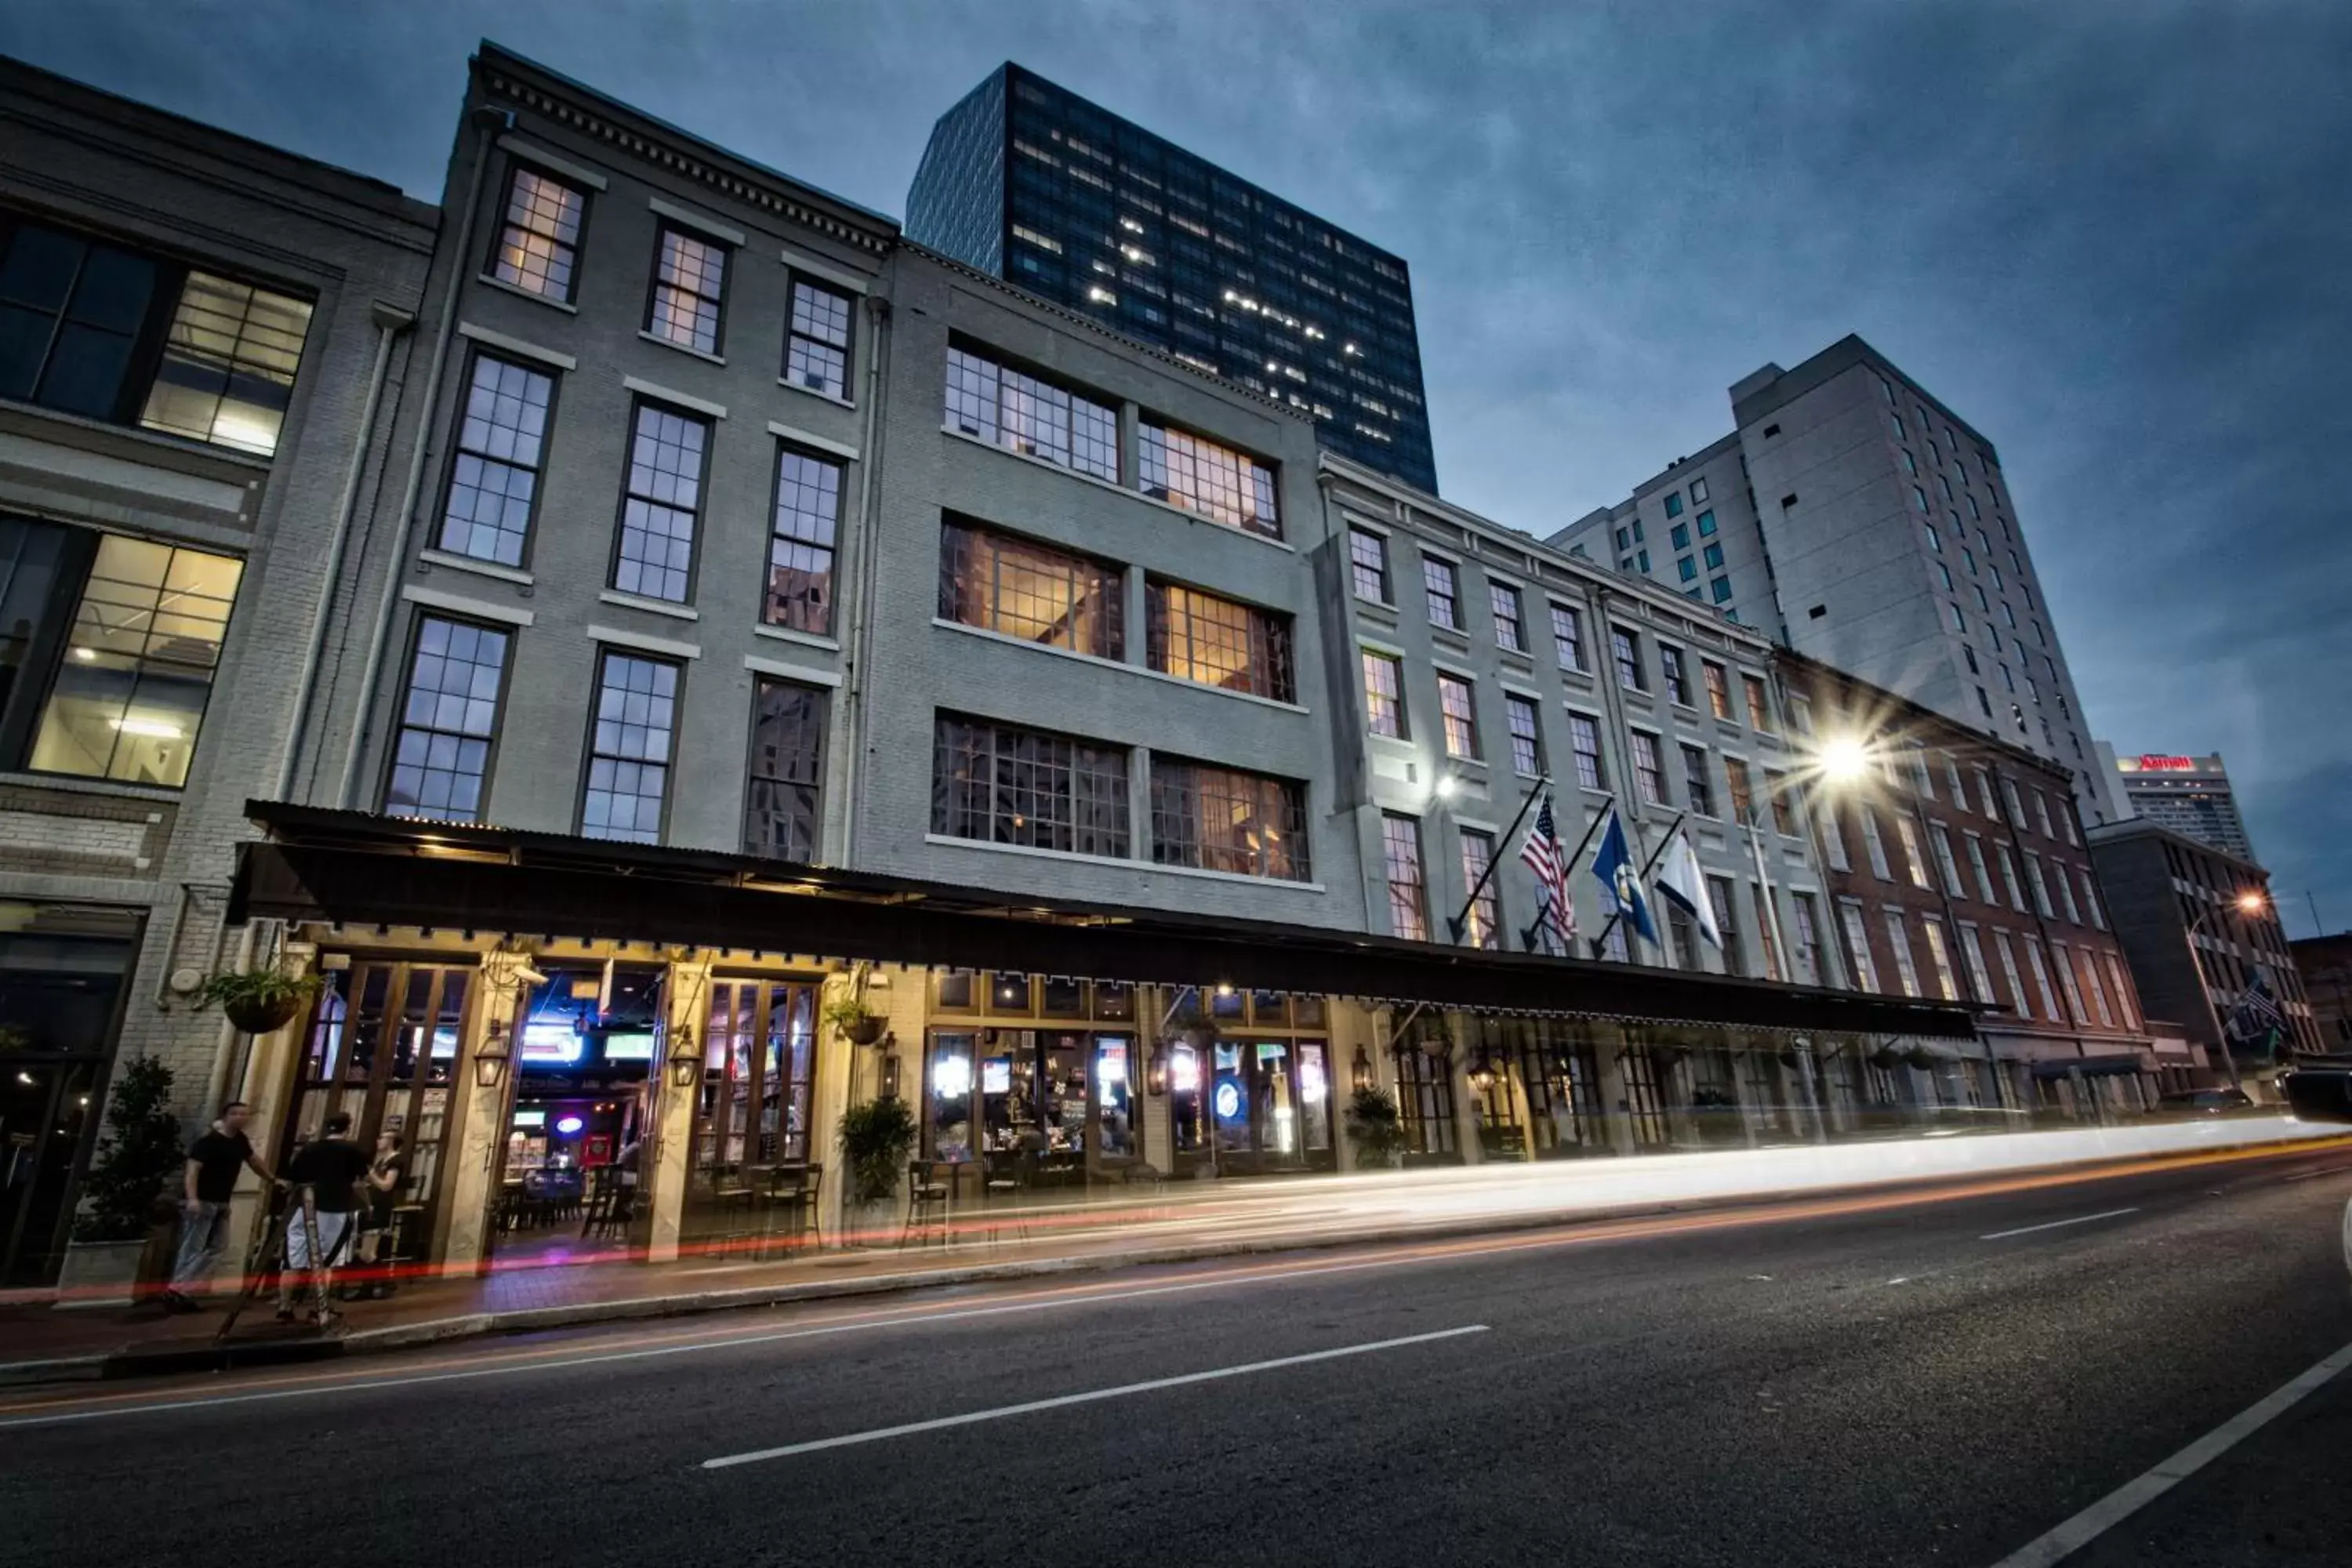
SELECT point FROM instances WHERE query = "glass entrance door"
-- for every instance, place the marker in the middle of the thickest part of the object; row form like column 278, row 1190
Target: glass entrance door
column 382, row 1045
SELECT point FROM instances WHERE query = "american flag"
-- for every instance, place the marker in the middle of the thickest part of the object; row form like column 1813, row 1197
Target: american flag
column 1543, row 855
column 2257, row 1014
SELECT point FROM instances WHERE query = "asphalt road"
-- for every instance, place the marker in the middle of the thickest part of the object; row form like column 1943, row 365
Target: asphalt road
column 1900, row 1384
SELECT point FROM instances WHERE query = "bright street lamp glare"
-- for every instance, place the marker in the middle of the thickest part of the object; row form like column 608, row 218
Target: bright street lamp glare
column 2250, row 903
column 1446, row 786
column 1842, row 759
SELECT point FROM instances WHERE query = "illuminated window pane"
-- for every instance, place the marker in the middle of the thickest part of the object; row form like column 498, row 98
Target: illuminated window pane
column 227, row 372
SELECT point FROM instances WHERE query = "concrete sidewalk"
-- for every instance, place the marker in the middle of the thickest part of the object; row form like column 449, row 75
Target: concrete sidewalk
column 1184, row 1223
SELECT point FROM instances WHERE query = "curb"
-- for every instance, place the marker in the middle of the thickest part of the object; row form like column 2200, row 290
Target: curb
column 132, row 1363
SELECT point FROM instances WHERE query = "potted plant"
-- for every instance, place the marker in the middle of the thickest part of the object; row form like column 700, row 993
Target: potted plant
column 1920, row 1057
column 859, row 1024
column 1375, row 1128
column 876, row 1137
column 125, row 1192
column 260, row 1000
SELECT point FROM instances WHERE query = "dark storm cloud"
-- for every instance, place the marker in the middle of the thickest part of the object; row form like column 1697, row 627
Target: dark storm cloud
column 2111, row 234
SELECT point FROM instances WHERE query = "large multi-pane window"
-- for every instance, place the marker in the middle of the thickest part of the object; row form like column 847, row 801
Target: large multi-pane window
column 1198, row 475
column 1384, row 694
column 1743, row 793
column 2016, row 997
column 1482, row 925
column 2009, row 879
column 1222, row 819
column 1033, row 592
column 1972, row 949
column 1939, row 953
column 1807, row 937
column 1005, row 785
column 1899, row 943
column 1983, row 872
column 1219, row 642
column 689, row 280
column 1508, row 631
column 1526, row 736
column 1718, row 693
column 1874, row 844
column 1776, row 793
column 1006, row 408
column 2042, row 982
column 1568, row 636
column 1698, row 783
column 1441, row 588
column 1857, row 947
column 656, row 557
column 629, row 748
column 1628, row 654
column 782, row 819
column 1759, row 705
column 1726, row 925
column 1946, row 862
column 441, row 756
column 799, row 555
column 816, row 351
column 1408, row 892
column 1671, row 675
column 102, row 332
column 1457, row 702
column 1649, row 774
column 2041, row 889
column 1584, row 743
column 130, row 692
column 227, row 371
column 1915, row 864
column 1368, row 564
column 537, row 245
column 494, row 478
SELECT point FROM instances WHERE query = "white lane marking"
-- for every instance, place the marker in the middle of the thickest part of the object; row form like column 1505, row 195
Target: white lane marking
column 2133, row 1495
column 2058, row 1223
column 1091, row 1397
column 904, row 1320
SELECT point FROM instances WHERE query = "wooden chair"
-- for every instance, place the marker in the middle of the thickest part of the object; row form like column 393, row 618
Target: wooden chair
column 931, row 1190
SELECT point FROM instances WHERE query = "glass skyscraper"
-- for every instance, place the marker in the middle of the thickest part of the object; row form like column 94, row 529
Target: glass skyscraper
column 1031, row 183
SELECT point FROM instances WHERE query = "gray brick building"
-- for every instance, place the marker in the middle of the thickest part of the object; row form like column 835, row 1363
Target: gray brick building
column 203, row 341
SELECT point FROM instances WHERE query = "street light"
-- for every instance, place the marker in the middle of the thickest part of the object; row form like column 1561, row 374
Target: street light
column 1842, row 759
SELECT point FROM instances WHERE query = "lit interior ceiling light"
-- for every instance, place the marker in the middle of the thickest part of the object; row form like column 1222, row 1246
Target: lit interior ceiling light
column 153, row 729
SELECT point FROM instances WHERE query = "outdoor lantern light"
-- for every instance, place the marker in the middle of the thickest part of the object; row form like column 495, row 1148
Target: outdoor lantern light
column 1155, row 1072
column 490, row 1056
column 1483, row 1075
column 1362, row 1076
column 685, row 1062
column 2249, row 902
column 1446, row 786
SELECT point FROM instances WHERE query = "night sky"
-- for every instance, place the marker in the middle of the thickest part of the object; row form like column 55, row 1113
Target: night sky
column 2111, row 233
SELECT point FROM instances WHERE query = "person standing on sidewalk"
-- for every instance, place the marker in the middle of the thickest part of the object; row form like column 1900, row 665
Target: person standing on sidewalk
column 333, row 1169
column 206, row 1184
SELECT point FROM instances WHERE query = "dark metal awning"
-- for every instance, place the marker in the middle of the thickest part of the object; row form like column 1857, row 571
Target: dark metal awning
column 2089, row 1067
column 357, row 868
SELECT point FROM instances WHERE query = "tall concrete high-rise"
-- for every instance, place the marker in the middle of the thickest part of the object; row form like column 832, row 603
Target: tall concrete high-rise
column 1028, row 181
column 1859, row 520
column 2189, row 794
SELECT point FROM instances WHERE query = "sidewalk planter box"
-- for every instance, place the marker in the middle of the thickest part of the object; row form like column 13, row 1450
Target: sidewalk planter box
column 100, row 1273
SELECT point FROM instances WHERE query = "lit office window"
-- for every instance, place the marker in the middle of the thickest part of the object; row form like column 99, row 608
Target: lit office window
column 1384, row 694
column 227, row 370
column 1526, row 736
column 130, row 694
column 1033, row 592
column 537, row 248
column 1218, row 642
column 1482, row 926
column 690, row 280
column 1368, row 562
column 1568, row 637
column 1222, row 819
column 1584, row 743
column 1508, row 632
column 1441, row 589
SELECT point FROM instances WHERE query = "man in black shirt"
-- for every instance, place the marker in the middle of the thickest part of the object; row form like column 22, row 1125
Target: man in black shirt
column 331, row 1168
column 206, row 1184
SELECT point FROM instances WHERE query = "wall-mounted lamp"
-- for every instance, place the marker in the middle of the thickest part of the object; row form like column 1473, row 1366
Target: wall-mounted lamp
column 1155, row 1072
column 490, row 1056
column 685, row 1059
column 1362, row 1076
column 1446, row 786
column 1483, row 1075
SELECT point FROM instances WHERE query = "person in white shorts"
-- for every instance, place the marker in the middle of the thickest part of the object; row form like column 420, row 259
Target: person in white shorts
column 331, row 1168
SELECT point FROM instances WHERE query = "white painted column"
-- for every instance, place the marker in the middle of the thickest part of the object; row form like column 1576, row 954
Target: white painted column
column 481, row 1109
column 663, row 1168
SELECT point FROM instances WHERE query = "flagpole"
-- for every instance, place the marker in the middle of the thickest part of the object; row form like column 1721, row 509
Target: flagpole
column 1528, row 935
column 1453, row 926
column 1600, row 941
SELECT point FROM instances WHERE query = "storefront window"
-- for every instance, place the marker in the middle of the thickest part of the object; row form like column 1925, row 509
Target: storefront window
column 1425, row 1103
column 1064, row 997
column 1114, row 1095
column 947, row 1119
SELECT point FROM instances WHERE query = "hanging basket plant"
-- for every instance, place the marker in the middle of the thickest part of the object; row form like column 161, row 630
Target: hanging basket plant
column 1884, row 1058
column 1920, row 1057
column 1191, row 1025
column 260, row 1000
column 857, row 1023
